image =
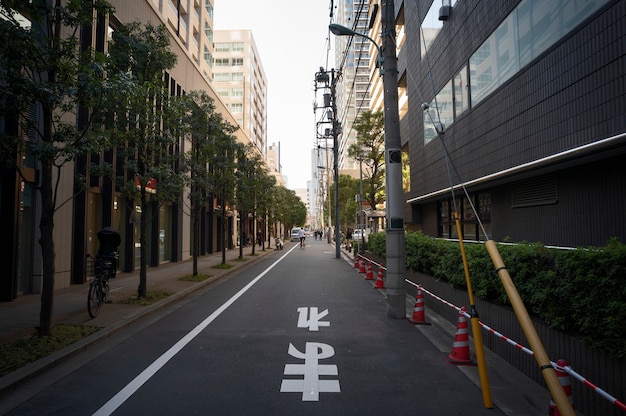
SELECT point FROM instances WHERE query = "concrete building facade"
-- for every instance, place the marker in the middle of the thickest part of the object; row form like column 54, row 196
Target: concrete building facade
column 190, row 24
column 240, row 82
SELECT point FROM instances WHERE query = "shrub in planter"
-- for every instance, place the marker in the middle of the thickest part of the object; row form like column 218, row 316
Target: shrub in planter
column 581, row 292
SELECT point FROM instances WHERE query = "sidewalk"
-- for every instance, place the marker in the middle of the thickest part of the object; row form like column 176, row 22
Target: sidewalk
column 19, row 318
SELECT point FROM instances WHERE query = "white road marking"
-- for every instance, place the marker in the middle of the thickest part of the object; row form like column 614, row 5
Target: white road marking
column 310, row 385
column 123, row 395
column 311, row 318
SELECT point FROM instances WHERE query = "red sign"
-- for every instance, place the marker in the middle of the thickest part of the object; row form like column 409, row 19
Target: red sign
column 150, row 186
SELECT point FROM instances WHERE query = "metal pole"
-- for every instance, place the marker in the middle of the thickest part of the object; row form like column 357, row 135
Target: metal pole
column 395, row 246
column 360, row 246
column 328, row 196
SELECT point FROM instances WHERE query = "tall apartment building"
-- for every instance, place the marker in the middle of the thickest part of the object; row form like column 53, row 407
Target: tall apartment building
column 241, row 83
column 190, row 23
column 353, row 57
column 376, row 89
column 274, row 164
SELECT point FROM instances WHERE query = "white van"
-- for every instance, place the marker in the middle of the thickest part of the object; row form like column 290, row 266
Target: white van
column 360, row 235
column 295, row 234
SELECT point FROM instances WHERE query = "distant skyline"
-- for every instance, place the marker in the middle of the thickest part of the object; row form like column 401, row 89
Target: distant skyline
column 292, row 40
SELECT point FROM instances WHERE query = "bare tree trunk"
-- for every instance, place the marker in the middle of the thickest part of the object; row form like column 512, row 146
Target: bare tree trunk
column 196, row 238
column 46, row 223
column 241, row 237
column 143, row 275
column 254, row 231
column 46, row 226
column 223, row 234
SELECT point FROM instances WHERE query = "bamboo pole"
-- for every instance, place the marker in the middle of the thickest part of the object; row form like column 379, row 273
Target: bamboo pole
column 477, row 335
column 547, row 371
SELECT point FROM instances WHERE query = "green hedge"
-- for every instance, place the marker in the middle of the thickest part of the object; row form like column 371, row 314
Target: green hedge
column 581, row 292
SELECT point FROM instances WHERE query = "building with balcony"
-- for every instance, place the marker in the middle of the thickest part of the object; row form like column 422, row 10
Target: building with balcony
column 240, row 82
column 353, row 56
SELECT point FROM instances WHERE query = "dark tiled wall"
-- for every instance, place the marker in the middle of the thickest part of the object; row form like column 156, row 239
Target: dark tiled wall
column 572, row 95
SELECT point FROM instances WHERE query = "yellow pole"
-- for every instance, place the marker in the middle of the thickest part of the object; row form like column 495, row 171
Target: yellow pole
column 478, row 339
column 558, row 394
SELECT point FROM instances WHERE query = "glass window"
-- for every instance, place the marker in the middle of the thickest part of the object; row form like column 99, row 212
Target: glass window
column 208, row 32
column 484, row 207
column 165, row 238
column 468, row 212
column 444, row 219
column 235, row 107
column 439, row 113
column 208, row 58
column 209, row 8
column 238, row 46
column 221, row 46
column 470, row 223
column 506, row 48
column 222, row 62
column 528, row 31
column 495, row 61
column 461, row 92
column 431, row 26
column 221, row 77
column 237, row 61
column 237, row 76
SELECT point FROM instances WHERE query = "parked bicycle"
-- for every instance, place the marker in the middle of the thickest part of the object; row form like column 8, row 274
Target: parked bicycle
column 99, row 270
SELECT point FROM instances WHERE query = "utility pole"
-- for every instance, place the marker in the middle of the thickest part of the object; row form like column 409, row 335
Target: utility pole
column 395, row 246
column 331, row 104
column 333, row 98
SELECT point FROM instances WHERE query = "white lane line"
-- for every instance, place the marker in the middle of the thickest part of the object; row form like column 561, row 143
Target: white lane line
column 123, row 395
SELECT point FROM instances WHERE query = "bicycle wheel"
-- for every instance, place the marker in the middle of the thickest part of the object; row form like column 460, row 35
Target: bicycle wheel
column 95, row 297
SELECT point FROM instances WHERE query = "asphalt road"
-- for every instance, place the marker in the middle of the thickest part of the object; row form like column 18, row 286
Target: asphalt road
column 301, row 333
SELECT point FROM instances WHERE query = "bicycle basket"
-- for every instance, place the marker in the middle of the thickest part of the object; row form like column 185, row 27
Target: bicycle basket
column 106, row 265
column 90, row 269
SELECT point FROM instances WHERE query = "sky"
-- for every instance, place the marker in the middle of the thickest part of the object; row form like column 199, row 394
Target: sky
column 292, row 41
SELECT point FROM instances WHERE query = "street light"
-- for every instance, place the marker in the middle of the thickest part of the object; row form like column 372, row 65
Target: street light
column 395, row 246
column 339, row 30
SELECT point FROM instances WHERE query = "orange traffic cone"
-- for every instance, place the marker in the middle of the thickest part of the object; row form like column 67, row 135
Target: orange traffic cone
column 460, row 348
column 370, row 273
column 419, row 315
column 356, row 262
column 565, row 381
column 380, row 272
column 362, row 267
column 380, row 283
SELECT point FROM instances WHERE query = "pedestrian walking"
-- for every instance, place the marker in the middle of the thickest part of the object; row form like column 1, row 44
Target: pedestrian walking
column 302, row 237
